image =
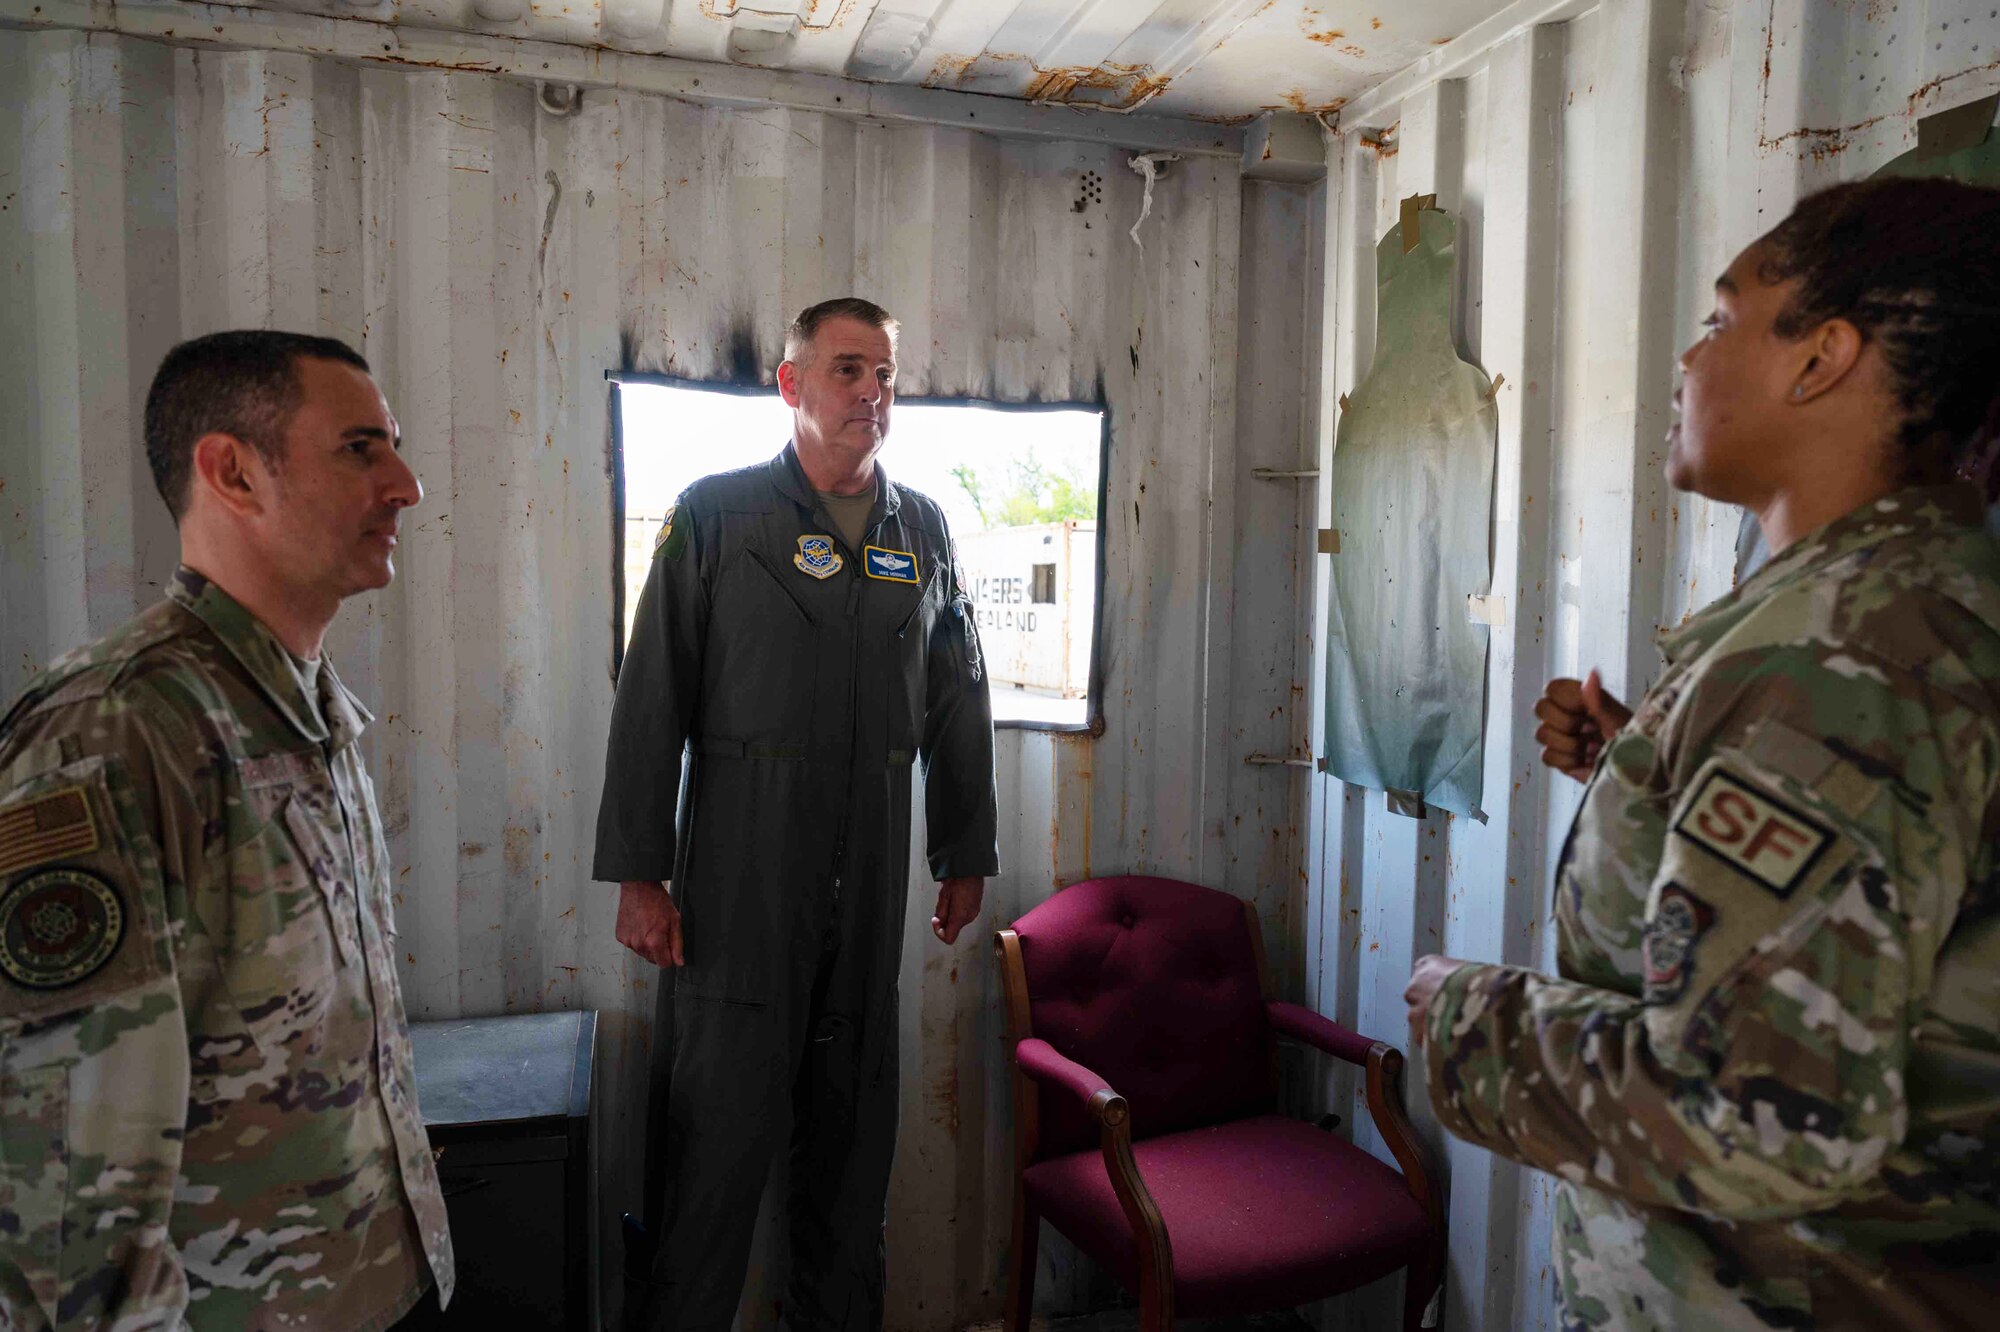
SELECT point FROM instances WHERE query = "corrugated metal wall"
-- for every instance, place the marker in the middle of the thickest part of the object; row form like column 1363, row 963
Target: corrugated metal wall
column 1606, row 162
column 493, row 262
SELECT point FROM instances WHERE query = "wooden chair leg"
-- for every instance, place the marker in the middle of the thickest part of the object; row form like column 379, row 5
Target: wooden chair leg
column 1420, row 1283
column 1156, row 1296
column 1021, row 1262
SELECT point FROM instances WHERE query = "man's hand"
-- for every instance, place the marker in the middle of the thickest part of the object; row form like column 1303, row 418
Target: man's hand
column 1425, row 981
column 649, row 923
column 958, row 907
column 1578, row 720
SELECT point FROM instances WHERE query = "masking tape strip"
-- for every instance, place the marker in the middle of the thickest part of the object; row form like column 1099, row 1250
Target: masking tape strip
column 1329, row 541
column 1407, row 803
column 1412, row 224
column 1487, row 610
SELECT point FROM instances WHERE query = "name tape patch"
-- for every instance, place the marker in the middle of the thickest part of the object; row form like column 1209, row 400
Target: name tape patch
column 1762, row 836
column 894, row 566
column 35, row 831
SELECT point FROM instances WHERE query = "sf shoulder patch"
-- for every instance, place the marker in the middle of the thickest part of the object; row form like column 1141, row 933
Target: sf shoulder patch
column 1752, row 830
column 893, row 566
column 58, row 927
column 1668, row 945
column 818, row 557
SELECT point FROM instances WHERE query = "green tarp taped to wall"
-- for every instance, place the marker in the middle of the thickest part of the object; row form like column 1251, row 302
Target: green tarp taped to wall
column 1412, row 483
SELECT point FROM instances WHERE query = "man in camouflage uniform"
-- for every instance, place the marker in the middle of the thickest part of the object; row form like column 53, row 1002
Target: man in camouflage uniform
column 207, row 1112
column 1769, row 1074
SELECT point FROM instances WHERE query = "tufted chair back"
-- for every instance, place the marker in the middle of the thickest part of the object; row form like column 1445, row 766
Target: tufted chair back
column 1154, row 985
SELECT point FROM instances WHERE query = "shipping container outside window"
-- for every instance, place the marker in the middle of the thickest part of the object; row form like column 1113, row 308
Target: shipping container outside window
column 1021, row 486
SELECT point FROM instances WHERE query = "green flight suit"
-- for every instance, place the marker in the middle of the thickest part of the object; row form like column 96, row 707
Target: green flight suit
column 1769, row 1075
column 801, row 679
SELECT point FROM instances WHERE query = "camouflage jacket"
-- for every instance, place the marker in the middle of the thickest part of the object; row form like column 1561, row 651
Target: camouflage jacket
column 1769, row 1075
column 207, row 1113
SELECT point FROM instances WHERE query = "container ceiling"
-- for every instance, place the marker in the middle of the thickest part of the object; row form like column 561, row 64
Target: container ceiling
column 1208, row 59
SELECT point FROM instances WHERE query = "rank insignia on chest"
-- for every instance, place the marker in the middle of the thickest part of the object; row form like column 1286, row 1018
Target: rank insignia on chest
column 57, row 928
column 895, row 566
column 818, row 557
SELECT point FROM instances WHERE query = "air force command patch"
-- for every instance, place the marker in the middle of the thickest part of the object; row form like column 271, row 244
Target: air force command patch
column 893, row 566
column 1754, row 832
column 58, row 927
column 818, row 557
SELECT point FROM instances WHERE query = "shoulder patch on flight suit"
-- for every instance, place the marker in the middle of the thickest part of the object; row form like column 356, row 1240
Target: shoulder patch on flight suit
column 818, row 557
column 1744, row 825
column 672, row 538
column 891, row 566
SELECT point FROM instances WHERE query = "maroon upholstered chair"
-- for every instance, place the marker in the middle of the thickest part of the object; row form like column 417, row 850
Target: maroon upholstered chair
column 1145, row 1098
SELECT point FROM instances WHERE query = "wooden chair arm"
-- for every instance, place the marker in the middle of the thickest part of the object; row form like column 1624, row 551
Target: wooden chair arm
column 1385, row 1107
column 1050, row 1067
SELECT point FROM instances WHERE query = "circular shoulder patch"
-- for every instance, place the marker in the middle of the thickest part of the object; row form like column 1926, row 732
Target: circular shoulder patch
column 58, row 927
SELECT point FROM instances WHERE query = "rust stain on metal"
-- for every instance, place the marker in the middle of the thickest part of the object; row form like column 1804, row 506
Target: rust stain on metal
column 1128, row 86
column 1295, row 102
column 1821, row 143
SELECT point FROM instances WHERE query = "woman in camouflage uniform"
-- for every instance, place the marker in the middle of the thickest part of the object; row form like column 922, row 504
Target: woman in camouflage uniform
column 1768, row 1074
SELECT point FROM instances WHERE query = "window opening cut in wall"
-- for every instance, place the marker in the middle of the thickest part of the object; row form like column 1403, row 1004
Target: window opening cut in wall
column 1021, row 487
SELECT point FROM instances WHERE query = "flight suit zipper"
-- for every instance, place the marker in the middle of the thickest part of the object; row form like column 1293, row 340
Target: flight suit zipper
column 855, row 707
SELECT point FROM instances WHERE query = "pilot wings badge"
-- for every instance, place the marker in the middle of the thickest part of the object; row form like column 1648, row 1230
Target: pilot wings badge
column 818, row 557
column 894, row 566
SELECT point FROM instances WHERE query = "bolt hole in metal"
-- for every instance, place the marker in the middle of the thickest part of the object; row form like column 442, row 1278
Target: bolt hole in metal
column 559, row 99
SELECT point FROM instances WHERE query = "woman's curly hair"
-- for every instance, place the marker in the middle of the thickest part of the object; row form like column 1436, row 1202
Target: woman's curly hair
column 1914, row 264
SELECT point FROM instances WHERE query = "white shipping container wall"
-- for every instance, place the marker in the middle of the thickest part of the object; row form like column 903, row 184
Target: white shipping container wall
column 1604, row 162
column 493, row 261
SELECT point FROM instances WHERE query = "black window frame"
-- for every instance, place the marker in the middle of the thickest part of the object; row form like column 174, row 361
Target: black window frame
column 1093, row 723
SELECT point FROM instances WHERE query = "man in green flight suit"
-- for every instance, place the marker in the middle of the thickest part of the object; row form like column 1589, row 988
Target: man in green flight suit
column 804, row 638
column 208, row 1117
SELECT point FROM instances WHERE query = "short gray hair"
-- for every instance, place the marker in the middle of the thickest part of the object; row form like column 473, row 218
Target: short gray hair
column 799, row 337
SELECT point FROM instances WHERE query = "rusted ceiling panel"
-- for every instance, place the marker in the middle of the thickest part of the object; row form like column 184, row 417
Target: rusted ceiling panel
column 1210, row 59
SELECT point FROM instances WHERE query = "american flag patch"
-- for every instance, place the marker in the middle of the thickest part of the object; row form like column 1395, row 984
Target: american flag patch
column 57, row 824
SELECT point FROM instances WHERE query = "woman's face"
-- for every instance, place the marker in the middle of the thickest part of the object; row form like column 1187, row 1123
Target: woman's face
column 1730, row 440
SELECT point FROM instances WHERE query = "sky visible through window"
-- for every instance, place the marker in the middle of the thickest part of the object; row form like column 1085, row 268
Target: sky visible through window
column 1037, row 477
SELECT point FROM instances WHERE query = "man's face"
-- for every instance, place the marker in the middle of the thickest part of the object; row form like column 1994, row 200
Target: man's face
column 1734, row 433
column 341, row 485
column 840, row 396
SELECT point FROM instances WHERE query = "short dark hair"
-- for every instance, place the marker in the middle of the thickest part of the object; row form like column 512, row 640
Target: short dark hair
column 1914, row 264
column 243, row 383
column 798, row 338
